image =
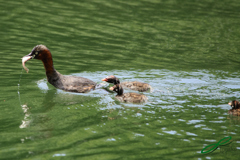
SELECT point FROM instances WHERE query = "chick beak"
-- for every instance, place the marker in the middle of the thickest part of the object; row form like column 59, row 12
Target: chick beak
column 105, row 79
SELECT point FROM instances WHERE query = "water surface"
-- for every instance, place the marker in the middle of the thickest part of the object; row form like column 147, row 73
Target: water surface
column 187, row 51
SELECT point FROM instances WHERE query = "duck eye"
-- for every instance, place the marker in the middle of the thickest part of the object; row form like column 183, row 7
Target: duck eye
column 35, row 53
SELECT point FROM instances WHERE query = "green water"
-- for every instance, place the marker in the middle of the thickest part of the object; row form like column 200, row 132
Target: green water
column 188, row 51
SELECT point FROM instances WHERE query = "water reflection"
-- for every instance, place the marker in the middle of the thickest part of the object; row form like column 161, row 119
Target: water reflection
column 26, row 120
column 38, row 122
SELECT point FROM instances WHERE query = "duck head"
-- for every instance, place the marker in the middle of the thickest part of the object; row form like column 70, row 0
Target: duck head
column 234, row 104
column 111, row 79
column 117, row 88
column 39, row 52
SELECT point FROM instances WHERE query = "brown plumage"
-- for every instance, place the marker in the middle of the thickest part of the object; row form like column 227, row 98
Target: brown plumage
column 135, row 85
column 67, row 83
column 128, row 97
column 235, row 108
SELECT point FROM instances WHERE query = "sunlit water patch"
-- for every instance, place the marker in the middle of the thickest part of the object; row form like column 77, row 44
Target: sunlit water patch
column 169, row 88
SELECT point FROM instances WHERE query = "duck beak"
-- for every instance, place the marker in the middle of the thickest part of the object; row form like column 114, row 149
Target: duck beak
column 111, row 88
column 105, row 79
column 24, row 60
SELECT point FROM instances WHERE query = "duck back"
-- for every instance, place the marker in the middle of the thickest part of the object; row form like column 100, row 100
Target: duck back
column 137, row 86
column 132, row 98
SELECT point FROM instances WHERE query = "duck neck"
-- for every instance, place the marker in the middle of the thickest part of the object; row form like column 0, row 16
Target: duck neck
column 120, row 91
column 53, row 76
column 237, row 105
column 116, row 81
column 48, row 65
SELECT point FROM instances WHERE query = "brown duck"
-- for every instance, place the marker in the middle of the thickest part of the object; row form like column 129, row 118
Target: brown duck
column 128, row 97
column 67, row 83
column 135, row 85
column 235, row 108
